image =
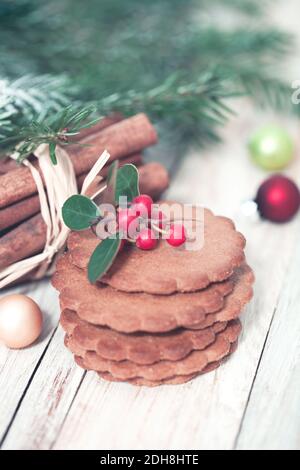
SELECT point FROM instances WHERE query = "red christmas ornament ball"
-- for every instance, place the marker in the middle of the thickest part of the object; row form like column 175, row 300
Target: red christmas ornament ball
column 278, row 199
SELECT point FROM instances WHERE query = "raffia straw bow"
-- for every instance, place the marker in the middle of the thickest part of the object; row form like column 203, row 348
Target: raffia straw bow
column 60, row 184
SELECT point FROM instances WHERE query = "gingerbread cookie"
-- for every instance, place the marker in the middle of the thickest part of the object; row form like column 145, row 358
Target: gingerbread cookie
column 234, row 303
column 140, row 348
column 176, row 380
column 166, row 270
column 103, row 305
column 195, row 362
column 142, row 310
column 139, row 381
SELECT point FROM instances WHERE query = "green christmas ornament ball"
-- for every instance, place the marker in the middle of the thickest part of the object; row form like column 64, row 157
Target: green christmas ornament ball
column 271, row 148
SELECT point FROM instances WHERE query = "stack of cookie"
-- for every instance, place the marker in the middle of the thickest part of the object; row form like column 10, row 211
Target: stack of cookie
column 157, row 317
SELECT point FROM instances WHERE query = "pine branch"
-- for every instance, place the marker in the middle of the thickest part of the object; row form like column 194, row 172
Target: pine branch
column 262, row 85
column 25, row 105
column 197, row 109
column 53, row 130
column 171, row 102
column 34, row 95
column 135, row 48
column 268, row 91
column 217, row 45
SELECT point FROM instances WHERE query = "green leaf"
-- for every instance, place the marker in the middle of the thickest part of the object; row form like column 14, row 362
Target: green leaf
column 127, row 183
column 52, row 147
column 108, row 197
column 102, row 258
column 79, row 212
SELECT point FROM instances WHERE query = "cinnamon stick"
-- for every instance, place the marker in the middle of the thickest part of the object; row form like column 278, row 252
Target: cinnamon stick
column 7, row 164
column 22, row 210
column 99, row 126
column 123, row 138
column 19, row 211
column 153, row 179
column 29, row 206
column 29, row 237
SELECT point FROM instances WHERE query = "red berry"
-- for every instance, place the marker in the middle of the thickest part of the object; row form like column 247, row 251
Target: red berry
column 176, row 236
column 146, row 239
column 142, row 205
column 158, row 218
column 127, row 222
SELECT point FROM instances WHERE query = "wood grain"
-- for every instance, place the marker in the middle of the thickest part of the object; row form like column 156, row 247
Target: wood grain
column 275, row 396
column 18, row 367
column 250, row 402
column 47, row 400
column 206, row 413
column 83, row 412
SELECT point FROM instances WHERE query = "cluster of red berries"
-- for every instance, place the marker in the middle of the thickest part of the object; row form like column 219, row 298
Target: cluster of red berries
column 133, row 219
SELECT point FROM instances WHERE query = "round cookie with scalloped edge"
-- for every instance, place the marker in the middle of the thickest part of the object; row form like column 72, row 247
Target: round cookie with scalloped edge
column 141, row 348
column 219, row 250
column 176, row 380
column 102, row 305
column 195, row 362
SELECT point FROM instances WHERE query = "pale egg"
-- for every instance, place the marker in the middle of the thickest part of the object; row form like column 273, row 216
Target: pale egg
column 20, row 321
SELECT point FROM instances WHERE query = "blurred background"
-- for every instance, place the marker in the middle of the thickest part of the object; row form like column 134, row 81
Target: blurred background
column 178, row 60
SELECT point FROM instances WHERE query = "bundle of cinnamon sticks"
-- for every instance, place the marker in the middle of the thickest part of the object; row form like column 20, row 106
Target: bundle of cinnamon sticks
column 22, row 228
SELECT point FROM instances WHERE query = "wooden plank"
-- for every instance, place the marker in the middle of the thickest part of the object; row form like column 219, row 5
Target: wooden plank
column 207, row 412
column 44, row 389
column 47, row 399
column 38, row 391
column 272, row 420
column 203, row 414
column 35, row 409
column 102, row 414
column 18, row 366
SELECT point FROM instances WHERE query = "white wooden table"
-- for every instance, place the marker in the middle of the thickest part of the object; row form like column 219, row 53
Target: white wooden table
column 251, row 402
